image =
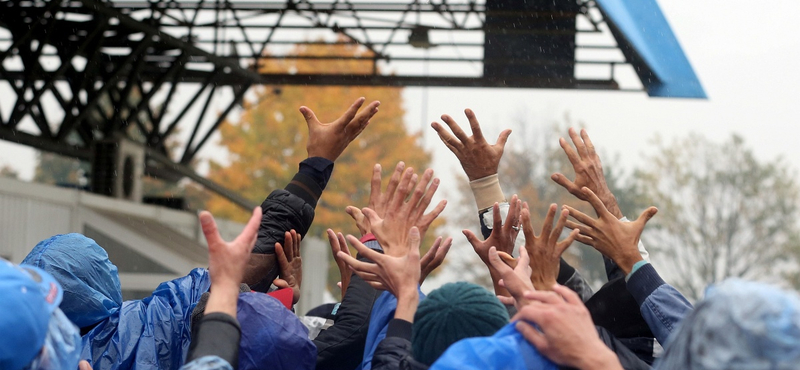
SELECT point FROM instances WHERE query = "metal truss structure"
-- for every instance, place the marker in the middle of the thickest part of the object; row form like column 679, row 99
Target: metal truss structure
column 82, row 71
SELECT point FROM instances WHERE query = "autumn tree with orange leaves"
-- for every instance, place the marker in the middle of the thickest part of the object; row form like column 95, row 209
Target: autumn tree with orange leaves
column 268, row 141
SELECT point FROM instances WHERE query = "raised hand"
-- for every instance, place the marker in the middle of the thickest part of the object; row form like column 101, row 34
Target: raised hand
column 503, row 235
column 588, row 171
column 545, row 250
column 615, row 239
column 478, row 158
column 391, row 228
column 290, row 264
column 566, row 333
column 329, row 140
column 378, row 200
column 227, row 261
column 339, row 245
column 361, row 221
column 434, row 257
column 515, row 275
column 399, row 274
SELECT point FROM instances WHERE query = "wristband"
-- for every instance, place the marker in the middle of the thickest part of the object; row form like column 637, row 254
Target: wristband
column 487, row 191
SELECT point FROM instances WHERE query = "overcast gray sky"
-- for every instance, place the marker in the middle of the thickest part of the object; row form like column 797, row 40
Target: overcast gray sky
column 744, row 53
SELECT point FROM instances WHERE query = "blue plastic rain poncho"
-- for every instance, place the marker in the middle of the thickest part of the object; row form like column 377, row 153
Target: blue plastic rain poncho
column 272, row 336
column 739, row 325
column 382, row 312
column 153, row 333
column 507, row 349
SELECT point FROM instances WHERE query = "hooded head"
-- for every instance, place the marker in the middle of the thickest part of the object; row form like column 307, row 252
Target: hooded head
column 90, row 281
column 36, row 334
column 738, row 325
column 272, row 336
column 451, row 313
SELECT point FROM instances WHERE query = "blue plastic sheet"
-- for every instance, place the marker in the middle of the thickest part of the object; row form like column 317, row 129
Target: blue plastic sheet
column 90, row 281
column 738, row 325
column 507, row 349
column 272, row 336
column 382, row 313
column 148, row 334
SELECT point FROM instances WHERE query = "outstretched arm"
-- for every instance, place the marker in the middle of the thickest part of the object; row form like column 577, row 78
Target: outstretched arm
column 216, row 342
column 589, row 173
column 292, row 208
column 661, row 305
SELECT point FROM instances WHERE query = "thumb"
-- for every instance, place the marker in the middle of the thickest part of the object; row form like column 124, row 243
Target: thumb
column 209, row 227
column 643, row 218
column 647, row 215
column 494, row 259
column 309, row 115
column 503, row 138
column 471, row 238
column 280, row 283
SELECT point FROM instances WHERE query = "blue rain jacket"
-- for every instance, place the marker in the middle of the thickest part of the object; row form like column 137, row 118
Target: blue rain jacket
column 382, row 313
column 507, row 349
column 272, row 336
column 153, row 333
column 738, row 325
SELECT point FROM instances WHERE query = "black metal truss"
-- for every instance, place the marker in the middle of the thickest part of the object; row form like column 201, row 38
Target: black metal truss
column 94, row 95
column 86, row 70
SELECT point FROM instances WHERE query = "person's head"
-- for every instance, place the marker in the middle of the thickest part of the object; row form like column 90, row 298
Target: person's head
column 272, row 336
column 738, row 325
column 35, row 333
column 451, row 313
column 91, row 285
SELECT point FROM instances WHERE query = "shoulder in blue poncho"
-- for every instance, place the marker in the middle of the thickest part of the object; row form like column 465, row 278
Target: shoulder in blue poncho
column 507, row 349
column 153, row 333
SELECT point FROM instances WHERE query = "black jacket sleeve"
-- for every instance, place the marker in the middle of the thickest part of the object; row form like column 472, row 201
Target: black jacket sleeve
column 341, row 346
column 627, row 359
column 394, row 352
column 284, row 210
column 217, row 334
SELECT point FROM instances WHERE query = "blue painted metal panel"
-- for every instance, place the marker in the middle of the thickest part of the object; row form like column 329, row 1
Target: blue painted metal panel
column 645, row 36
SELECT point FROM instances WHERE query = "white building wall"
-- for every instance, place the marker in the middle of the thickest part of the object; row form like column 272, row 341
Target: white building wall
column 25, row 222
column 30, row 213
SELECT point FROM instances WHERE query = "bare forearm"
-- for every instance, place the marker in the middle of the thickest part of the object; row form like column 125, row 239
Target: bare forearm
column 223, row 298
column 407, row 306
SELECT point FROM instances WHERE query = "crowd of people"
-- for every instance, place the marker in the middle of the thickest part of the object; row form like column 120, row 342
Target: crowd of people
column 62, row 308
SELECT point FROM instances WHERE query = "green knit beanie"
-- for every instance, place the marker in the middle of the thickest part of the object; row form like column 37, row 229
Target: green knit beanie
column 451, row 313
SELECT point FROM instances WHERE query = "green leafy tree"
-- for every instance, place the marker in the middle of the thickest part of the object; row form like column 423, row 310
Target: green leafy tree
column 722, row 213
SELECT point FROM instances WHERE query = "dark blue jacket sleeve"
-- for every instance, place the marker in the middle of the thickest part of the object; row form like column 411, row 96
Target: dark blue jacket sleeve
column 662, row 306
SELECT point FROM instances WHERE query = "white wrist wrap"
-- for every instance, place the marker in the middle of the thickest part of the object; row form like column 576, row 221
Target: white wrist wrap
column 487, row 191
